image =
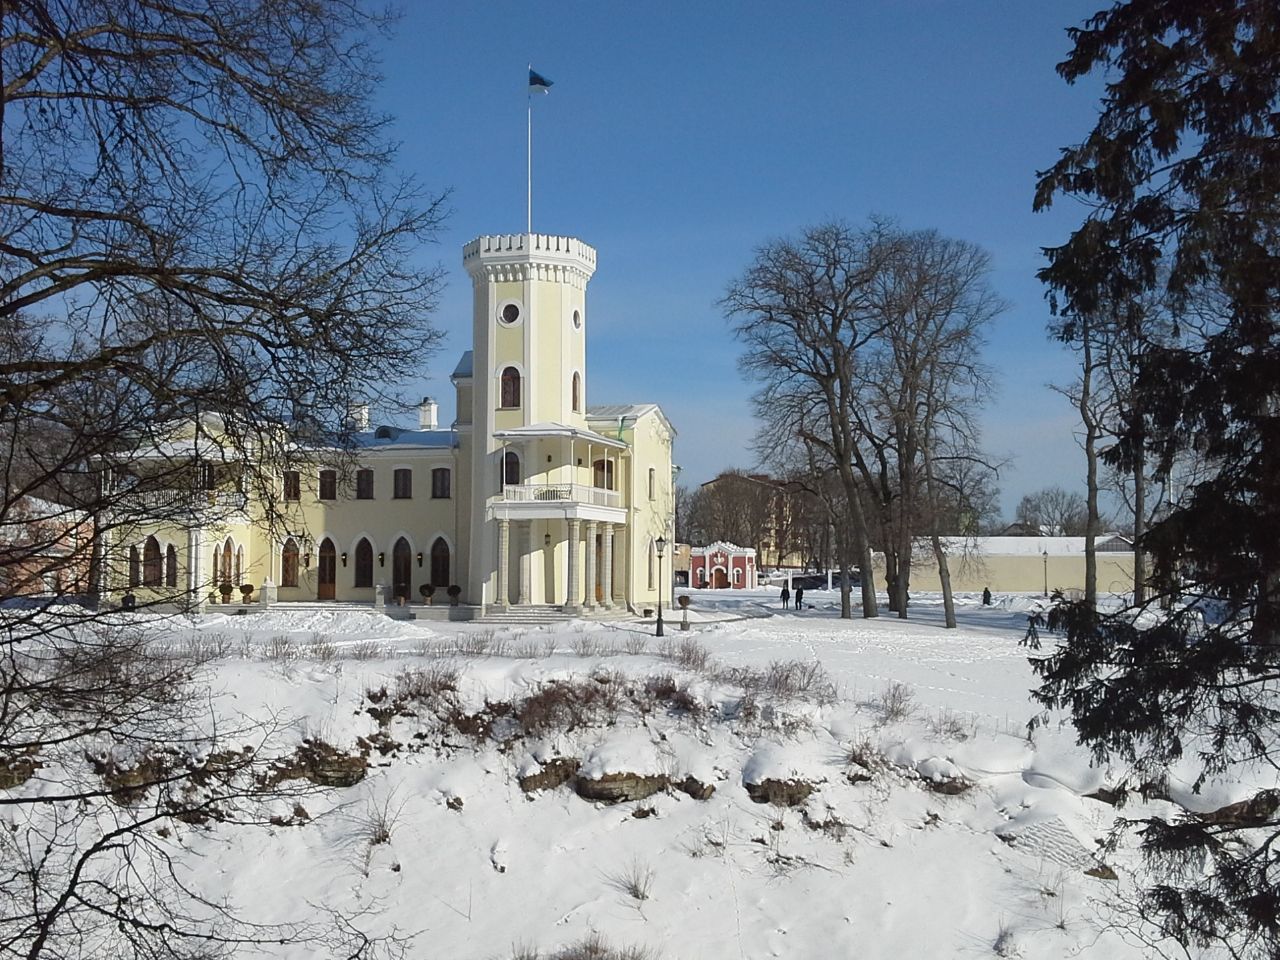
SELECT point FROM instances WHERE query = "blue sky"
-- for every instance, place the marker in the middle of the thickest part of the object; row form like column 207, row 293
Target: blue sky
column 680, row 136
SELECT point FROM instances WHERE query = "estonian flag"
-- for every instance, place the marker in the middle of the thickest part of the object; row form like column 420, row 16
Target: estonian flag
column 538, row 83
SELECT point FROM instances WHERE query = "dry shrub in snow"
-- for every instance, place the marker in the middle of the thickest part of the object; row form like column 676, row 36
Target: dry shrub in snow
column 687, row 653
column 566, row 704
column 202, row 647
column 585, row 645
column 637, row 644
column 366, row 650
column 784, row 680
column 279, row 649
column 526, row 650
column 378, row 822
column 897, row 702
column 595, row 947
column 664, row 688
column 948, row 725
column 429, row 685
column 322, row 649
column 636, row 880
column 474, row 644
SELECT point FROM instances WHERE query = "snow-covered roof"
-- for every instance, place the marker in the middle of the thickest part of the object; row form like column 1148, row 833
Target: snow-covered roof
column 464, row 368
column 632, row 411
column 722, row 546
column 1021, row 546
column 551, row 428
column 388, row 436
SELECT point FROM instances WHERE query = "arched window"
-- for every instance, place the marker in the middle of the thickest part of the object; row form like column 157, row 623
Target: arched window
column 653, row 581
column 602, row 474
column 239, row 570
column 289, row 564
column 577, row 392
column 510, row 388
column 401, row 568
column 440, row 563
column 171, row 566
column 653, row 483
column 224, row 575
column 135, row 567
column 510, row 469
column 364, row 563
column 152, row 571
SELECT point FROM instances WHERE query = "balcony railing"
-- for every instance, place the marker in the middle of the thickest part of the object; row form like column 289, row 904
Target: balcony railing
column 165, row 501
column 563, row 492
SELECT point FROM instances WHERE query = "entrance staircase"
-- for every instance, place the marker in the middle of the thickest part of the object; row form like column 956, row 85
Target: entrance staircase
column 547, row 613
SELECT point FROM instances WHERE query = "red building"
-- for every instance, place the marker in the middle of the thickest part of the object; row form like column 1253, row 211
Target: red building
column 722, row 566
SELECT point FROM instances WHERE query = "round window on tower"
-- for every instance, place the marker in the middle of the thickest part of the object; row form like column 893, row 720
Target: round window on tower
column 577, row 319
column 510, row 313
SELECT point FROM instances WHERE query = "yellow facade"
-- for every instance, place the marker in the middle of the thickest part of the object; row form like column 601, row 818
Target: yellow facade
column 529, row 498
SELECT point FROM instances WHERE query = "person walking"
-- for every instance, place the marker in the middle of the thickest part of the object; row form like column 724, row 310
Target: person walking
column 799, row 597
column 786, row 596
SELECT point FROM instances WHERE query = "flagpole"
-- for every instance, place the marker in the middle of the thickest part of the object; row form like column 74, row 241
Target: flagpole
column 529, row 162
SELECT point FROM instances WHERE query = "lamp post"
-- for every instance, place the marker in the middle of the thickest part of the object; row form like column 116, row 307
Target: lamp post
column 661, row 545
column 1046, row 574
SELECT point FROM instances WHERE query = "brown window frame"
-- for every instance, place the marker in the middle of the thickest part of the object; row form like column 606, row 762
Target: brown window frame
column 402, row 484
column 509, row 397
column 441, row 483
column 328, row 484
column 292, row 485
column 364, row 484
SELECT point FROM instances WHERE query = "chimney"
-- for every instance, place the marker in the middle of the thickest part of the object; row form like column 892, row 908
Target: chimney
column 358, row 416
column 427, row 414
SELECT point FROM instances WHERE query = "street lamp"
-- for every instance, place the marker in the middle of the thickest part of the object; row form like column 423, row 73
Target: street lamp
column 661, row 545
column 1046, row 574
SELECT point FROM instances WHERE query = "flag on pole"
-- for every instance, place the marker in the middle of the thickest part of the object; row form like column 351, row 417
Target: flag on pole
column 538, row 83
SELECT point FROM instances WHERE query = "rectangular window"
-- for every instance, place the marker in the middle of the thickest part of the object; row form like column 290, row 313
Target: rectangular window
column 403, row 484
column 440, row 483
column 364, row 484
column 328, row 484
column 653, row 483
column 208, row 477
column 292, row 485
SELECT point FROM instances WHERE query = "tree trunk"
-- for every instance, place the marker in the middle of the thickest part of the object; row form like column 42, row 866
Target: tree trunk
column 944, row 577
column 1139, row 526
column 1091, row 430
column 868, row 581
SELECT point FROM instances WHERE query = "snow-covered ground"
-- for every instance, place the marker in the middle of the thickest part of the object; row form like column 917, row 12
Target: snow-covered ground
column 935, row 826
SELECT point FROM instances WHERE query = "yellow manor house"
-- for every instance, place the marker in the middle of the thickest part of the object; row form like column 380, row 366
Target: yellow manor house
column 530, row 499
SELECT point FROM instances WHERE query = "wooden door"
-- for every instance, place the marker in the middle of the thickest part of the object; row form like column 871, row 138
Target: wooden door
column 327, row 571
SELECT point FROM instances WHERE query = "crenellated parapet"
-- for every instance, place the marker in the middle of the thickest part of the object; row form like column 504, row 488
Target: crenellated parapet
column 529, row 256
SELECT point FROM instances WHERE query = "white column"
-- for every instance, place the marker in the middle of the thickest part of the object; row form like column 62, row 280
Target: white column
column 195, row 585
column 591, row 565
column 504, row 536
column 606, row 575
column 573, row 602
column 524, row 541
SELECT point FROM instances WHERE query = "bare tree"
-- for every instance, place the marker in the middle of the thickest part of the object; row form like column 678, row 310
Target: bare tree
column 842, row 329
column 204, row 257
column 1055, row 511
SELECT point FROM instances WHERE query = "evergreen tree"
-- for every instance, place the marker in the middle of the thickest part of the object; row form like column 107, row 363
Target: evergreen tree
column 1182, row 178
